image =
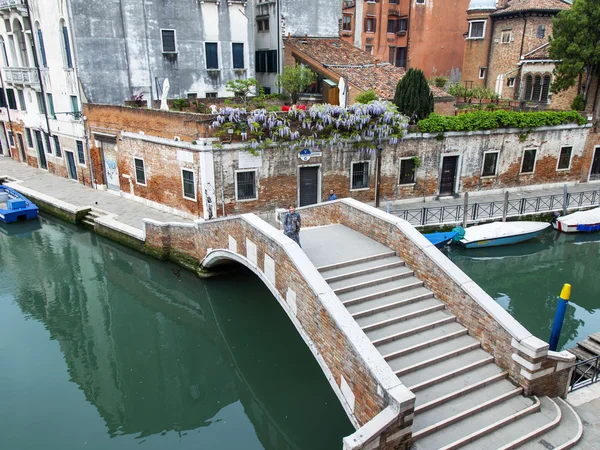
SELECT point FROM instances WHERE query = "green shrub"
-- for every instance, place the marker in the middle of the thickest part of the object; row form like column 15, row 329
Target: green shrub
column 413, row 95
column 490, row 120
column 440, row 81
column 367, row 96
column 578, row 103
column 179, row 104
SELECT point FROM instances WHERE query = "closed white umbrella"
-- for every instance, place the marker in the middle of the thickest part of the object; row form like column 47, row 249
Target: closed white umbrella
column 343, row 93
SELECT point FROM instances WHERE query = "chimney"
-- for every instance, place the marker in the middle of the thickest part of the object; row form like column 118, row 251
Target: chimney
column 376, row 62
column 501, row 4
column 289, row 35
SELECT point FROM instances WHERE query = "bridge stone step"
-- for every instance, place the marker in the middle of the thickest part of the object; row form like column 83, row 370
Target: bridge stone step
column 372, row 279
column 354, row 262
column 421, row 337
column 449, row 386
column 424, row 345
column 357, row 270
column 400, row 313
column 563, row 436
column 380, row 290
column 590, row 346
column 526, row 428
column 441, row 352
column 487, row 411
column 390, row 301
column 387, row 334
column 435, row 372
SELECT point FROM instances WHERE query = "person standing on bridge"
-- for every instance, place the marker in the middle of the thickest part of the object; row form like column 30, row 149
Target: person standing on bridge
column 332, row 195
column 292, row 222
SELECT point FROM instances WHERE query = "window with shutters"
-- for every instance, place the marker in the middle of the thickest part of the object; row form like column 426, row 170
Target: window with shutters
column 359, row 175
column 212, row 55
column 51, row 111
column 541, row 32
column 506, row 37
column 266, row 61
column 66, row 43
column 407, row 171
column 75, row 107
column 140, row 171
column 169, row 43
column 245, row 185
column 189, row 184
column 238, row 55
column 22, row 104
column 262, row 23
column 476, row 29
column 528, row 164
column 80, row 152
column 28, row 138
column 41, row 104
column 564, row 159
column 11, row 138
column 48, row 145
column 41, row 48
column 370, row 24
column 490, row 164
column 57, row 148
column 392, row 25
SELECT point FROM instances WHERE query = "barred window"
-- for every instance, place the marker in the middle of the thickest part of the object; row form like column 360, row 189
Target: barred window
column 29, row 138
column 189, row 184
column 57, row 146
column 360, row 175
column 246, row 185
column 564, row 160
column 168, row 41
column 140, row 171
column 528, row 161
column 490, row 162
column 407, row 171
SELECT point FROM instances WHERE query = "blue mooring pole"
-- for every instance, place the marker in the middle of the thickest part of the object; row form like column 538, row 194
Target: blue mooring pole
column 559, row 316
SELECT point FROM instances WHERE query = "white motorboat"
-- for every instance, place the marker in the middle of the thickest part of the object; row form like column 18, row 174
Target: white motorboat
column 583, row 221
column 501, row 233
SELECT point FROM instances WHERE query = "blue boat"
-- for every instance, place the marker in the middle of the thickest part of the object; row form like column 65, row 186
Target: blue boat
column 13, row 206
column 440, row 239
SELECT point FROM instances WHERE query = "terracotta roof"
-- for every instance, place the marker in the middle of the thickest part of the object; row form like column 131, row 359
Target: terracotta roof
column 533, row 5
column 542, row 52
column 362, row 69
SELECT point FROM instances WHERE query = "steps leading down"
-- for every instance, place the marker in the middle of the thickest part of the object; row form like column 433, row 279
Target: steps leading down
column 463, row 399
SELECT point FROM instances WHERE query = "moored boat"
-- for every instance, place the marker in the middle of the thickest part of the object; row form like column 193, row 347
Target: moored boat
column 580, row 221
column 440, row 239
column 14, row 206
column 501, row 233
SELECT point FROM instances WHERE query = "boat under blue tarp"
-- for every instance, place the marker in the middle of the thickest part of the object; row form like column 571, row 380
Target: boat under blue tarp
column 440, row 239
column 14, row 206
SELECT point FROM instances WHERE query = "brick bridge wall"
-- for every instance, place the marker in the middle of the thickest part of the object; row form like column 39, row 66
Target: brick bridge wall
column 378, row 405
column 525, row 357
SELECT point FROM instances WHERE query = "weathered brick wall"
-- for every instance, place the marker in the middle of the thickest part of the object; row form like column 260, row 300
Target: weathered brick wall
column 311, row 311
column 476, row 50
column 525, row 359
column 445, row 106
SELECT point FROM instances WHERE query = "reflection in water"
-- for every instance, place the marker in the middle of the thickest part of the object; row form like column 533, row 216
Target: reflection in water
column 526, row 280
column 165, row 359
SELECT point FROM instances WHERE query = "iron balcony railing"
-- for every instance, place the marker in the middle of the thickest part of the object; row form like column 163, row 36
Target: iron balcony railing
column 11, row 3
column 21, row 75
column 585, row 373
column 437, row 215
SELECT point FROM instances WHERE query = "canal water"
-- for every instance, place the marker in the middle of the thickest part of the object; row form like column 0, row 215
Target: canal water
column 104, row 348
column 526, row 279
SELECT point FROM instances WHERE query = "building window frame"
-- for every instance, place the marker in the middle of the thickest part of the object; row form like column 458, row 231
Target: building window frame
column 365, row 176
column 560, row 154
column 239, row 198
column 50, row 100
column 195, row 197
column 470, row 35
column 80, row 152
column 483, row 165
column 506, row 37
column 236, row 64
column 143, row 169
column 347, row 22
column 533, row 149
column 11, row 139
column 57, row 148
column 11, row 99
column 510, row 82
column 28, row 138
column 162, row 40
column 403, row 181
column 262, row 24
column 369, row 48
column 211, row 66
column 21, row 97
column 373, row 21
column 482, row 72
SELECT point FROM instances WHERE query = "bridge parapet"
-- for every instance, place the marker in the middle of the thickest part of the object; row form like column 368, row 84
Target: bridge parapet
column 525, row 357
column 378, row 405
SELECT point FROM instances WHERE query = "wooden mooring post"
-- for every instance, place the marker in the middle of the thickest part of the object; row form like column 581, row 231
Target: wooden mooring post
column 565, row 199
column 505, row 208
column 465, row 209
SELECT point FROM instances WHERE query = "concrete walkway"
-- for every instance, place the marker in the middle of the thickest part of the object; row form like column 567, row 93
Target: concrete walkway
column 128, row 212
column 586, row 403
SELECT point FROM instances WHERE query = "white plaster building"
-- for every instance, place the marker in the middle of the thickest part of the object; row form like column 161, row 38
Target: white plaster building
column 40, row 96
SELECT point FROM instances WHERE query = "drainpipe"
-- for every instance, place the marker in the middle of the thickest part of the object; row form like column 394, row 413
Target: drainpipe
column 37, row 66
column 408, row 36
column 8, row 115
column 279, row 52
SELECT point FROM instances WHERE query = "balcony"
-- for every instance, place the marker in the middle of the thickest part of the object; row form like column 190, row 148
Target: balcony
column 22, row 75
column 17, row 4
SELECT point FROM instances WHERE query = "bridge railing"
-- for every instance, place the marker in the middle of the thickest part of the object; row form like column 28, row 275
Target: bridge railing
column 585, row 373
column 454, row 214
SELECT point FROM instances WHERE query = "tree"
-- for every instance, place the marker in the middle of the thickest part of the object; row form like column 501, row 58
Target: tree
column 295, row 79
column 413, row 95
column 575, row 44
column 367, row 96
column 242, row 88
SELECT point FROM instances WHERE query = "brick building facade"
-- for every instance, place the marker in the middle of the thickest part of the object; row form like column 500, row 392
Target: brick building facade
column 507, row 50
column 168, row 160
column 423, row 34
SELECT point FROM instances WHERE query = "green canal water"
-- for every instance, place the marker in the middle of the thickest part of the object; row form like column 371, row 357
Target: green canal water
column 104, row 348
column 527, row 278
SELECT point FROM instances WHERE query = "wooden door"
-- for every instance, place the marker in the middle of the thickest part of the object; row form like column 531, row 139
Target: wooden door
column 448, row 180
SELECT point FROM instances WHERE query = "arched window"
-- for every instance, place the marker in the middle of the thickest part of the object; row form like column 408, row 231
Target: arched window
column 68, row 59
column 4, row 53
column 537, row 88
column 528, row 87
column 40, row 44
column 21, row 48
column 545, row 89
